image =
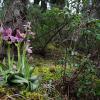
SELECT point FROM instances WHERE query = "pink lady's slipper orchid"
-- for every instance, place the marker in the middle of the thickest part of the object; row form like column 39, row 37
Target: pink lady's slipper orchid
column 18, row 36
column 7, row 35
column 19, row 39
column 9, row 38
column 7, row 32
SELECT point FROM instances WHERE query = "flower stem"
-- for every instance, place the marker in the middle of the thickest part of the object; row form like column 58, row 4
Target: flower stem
column 9, row 56
column 19, row 57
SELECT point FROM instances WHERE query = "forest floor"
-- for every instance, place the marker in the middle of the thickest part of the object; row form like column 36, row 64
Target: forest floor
column 50, row 68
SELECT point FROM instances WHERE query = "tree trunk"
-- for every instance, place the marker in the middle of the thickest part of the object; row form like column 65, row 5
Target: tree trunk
column 16, row 12
column 36, row 2
column 97, row 13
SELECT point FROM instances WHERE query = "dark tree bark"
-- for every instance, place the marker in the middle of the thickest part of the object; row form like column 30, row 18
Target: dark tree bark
column 24, row 12
column 59, row 3
column 36, row 2
column 97, row 5
column 16, row 11
column 43, row 5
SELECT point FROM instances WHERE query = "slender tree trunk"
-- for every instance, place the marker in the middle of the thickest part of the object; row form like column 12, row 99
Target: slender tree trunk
column 43, row 5
column 36, row 2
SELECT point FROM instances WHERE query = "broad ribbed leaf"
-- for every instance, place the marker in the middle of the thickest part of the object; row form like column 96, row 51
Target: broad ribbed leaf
column 33, row 85
column 19, row 80
column 33, row 78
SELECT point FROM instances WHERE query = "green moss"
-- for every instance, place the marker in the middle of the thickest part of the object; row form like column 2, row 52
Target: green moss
column 51, row 73
column 32, row 95
column 8, row 91
column 51, row 47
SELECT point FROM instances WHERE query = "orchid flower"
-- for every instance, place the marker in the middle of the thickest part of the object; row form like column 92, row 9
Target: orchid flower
column 7, row 35
column 28, row 48
column 27, row 27
column 7, row 32
column 19, row 39
column 18, row 36
column 1, row 29
column 23, row 35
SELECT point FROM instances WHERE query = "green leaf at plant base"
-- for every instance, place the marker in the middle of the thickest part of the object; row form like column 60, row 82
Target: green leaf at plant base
column 33, row 78
column 33, row 85
column 3, row 67
column 19, row 80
